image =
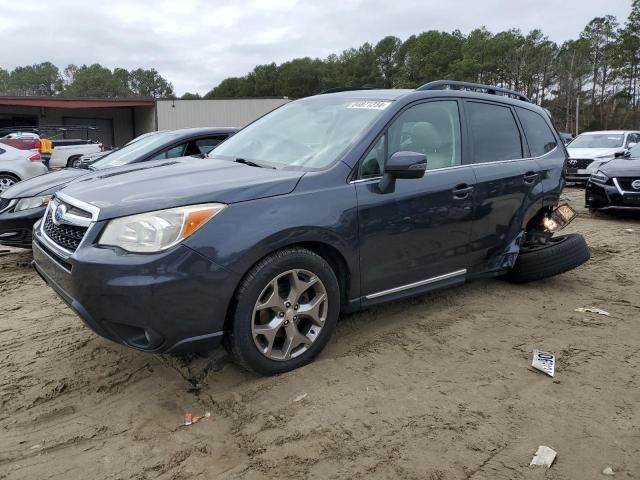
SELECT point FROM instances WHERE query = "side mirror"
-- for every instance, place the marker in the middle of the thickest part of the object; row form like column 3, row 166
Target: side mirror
column 402, row 165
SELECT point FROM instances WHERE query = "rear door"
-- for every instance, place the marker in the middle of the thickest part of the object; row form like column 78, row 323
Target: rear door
column 508, row 179
column 421, row 231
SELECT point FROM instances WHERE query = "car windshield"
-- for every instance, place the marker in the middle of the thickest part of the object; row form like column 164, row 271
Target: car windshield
column 132, row 151
column 600, row 140
column 308, row 134
column 634, row 152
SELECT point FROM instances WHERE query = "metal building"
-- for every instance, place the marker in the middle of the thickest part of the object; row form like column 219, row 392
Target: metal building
column 227, row 112
column 117, row 121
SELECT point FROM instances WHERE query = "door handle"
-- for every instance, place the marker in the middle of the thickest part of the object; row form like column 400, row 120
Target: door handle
column 462, row 191
column 530, row 177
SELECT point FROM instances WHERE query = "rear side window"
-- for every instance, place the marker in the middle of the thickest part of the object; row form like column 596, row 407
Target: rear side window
column 539, row 136
column 205, row 145
column 494, row 133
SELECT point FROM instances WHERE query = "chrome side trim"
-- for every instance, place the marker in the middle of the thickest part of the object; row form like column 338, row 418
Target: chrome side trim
column 409, row 286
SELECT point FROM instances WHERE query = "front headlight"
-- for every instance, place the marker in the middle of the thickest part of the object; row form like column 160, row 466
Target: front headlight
column 156, row 231
column 32, row 202
column 599, row 177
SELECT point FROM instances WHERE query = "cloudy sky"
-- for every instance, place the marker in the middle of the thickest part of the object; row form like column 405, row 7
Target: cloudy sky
column 197, row 43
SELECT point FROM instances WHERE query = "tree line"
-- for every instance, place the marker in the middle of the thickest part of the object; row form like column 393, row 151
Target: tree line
column 45, row 79
column 600, row 69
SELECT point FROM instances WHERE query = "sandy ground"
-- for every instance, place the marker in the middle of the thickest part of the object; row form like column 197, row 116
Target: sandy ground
column 434, row 388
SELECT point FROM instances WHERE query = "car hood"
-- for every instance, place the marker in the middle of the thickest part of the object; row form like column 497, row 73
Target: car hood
column 592, row 152
column 45, row 184
column 622, row 167
column 182, row 181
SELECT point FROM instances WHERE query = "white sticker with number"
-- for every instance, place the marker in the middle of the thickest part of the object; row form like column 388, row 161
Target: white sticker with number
column 544, row 361
column 369, row 104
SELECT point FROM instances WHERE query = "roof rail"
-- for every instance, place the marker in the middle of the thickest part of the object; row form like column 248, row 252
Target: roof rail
column 343, row 89
column 490, row 89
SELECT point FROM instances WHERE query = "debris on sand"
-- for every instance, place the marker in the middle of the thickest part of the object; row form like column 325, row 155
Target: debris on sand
column 544, row 457
column 593, row 310
column 629, row 230
column 608, row 471
column 544, row 361
column 190, row 419
column 300, row 397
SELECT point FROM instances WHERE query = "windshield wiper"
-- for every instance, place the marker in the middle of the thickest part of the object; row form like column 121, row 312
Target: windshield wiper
column 251, row 163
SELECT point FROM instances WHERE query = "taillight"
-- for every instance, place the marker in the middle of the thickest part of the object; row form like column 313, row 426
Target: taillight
column 35, row 157
column 101, row 147
column 38, row 144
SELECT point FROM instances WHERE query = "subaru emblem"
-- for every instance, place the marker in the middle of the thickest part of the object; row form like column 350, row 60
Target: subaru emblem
column 58, row 214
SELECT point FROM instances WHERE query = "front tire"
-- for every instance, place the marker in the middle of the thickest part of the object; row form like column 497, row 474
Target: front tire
column 286, row 310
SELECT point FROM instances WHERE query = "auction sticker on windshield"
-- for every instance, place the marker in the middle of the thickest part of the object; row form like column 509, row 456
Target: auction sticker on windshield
column 369, row 104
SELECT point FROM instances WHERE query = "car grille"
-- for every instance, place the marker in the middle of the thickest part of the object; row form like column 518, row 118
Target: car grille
column 64, row 235
column 4, row 203
column 579, row 162
column 625, row 184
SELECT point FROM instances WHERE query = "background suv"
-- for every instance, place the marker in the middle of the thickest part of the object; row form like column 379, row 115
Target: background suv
column 24, row 204
column 330, row 203
column 588, row 151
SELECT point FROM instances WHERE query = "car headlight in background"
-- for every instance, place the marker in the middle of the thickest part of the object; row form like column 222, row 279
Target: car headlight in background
column 156, row 231
column 599, row 177
column 31, row 202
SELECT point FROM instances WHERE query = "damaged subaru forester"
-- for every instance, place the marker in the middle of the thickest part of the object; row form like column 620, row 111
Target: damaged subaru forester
column 327, row 205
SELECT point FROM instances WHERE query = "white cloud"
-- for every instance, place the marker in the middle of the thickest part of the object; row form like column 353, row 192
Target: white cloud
column 197, row 43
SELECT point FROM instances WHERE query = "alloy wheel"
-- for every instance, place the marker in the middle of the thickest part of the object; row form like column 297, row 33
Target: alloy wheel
column 289, row 314
column 6, row 181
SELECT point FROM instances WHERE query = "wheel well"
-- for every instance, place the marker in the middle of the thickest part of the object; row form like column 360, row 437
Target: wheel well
column 330, row 254
column 71, row 159
column 11, row 175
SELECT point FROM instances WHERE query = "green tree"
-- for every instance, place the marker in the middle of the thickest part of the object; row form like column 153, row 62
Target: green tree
column 93, row 81
column 39, row 79
column 387, row 53
column 190, row 96
column 430, row 56
column 149, row 83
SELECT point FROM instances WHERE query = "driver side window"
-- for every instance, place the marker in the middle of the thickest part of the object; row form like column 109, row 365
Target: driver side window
column 432, row 128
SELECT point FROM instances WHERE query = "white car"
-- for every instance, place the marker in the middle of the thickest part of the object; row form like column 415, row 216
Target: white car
column 589, row 150
column 17, row 165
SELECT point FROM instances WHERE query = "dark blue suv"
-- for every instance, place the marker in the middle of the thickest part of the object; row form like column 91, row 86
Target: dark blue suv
column 328, row 204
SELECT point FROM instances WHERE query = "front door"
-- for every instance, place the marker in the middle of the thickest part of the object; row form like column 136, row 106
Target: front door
column 421, row 230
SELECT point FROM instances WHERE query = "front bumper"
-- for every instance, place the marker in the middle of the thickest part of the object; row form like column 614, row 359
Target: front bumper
column 16, row 228
column 171, row 301
column 608, row 196
column 575, row 177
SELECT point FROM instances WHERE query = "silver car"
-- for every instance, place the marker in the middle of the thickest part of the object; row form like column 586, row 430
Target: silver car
column 17, row 165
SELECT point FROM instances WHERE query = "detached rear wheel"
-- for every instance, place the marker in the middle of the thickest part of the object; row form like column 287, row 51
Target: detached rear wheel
column 287, row 308
column 558, row 255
